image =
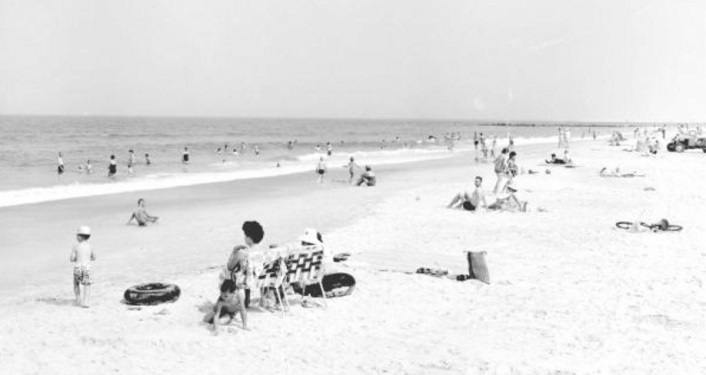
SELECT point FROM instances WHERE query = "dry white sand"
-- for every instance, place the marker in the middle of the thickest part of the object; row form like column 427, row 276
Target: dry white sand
column 569, row 293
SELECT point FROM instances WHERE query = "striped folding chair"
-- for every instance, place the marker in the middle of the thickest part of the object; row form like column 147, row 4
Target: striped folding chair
column 273, row 275
column 307, row 267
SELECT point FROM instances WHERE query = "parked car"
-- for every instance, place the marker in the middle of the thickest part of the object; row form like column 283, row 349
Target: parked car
column 683, row 142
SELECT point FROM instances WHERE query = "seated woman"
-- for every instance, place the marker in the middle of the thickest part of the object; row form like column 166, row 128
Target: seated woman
column 554, row 160
column 367, row 178
column 509, row 202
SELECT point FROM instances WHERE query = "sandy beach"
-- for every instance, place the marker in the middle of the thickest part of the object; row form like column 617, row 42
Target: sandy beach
column 569, row 294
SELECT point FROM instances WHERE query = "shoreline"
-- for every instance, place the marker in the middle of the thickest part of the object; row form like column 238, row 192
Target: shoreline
column 44, row 229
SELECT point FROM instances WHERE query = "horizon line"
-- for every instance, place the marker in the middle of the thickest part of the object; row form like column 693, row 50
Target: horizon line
column 496, row 122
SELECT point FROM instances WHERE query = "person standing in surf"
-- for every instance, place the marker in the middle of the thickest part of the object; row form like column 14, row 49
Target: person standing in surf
column 112, row 167
column 130, row 161
column 60, row 166
column 185, row 156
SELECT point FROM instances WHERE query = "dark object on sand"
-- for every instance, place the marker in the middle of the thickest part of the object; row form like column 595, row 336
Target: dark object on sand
column 683, row 142
column 477, row 267
column 341, row 257
column 334, row 284
column 438, row 272
column 661, row 226
column 152, row 294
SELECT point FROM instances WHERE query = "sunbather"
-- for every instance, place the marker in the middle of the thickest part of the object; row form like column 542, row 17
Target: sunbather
column 470, row 202
column 555, row 160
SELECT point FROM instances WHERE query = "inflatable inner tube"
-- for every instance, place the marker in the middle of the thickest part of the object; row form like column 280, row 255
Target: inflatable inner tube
column 152, row 294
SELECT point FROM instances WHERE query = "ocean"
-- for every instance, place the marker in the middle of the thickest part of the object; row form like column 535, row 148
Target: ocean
column 29, row 148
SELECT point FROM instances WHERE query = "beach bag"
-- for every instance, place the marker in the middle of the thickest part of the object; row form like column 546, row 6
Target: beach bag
column 477, row 268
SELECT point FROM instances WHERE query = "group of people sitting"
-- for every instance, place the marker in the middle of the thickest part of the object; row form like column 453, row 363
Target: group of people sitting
column 476, row 199
column 239, row 278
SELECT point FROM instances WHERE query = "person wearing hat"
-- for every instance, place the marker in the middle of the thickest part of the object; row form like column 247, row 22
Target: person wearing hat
column 82, row 255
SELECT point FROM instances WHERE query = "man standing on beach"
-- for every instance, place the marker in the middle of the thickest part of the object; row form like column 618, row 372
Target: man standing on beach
column 500, row 169
column 321, row 170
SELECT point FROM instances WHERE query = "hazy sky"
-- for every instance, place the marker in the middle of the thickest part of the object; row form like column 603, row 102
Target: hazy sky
column 601, row 60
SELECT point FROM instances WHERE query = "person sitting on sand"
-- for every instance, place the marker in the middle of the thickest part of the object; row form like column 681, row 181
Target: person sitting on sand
column 141, row 216
column 555, row 160
column 227, row 306
column 509, row 202
column 470, row 202
column 368, row 177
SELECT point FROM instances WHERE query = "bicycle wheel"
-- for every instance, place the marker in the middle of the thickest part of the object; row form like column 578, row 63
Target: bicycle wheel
column 624, row 224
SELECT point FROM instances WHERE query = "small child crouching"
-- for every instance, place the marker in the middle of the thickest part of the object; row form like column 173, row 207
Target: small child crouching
column 230, row 302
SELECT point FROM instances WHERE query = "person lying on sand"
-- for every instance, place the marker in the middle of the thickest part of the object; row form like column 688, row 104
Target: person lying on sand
column 616, row 173
column 555, row 160
column 141, row 216
column 470, row 202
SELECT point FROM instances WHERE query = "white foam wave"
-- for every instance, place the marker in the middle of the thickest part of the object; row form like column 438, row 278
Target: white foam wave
column 158, row 181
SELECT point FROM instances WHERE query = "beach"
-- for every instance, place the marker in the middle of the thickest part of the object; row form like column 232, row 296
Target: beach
column 569, row 292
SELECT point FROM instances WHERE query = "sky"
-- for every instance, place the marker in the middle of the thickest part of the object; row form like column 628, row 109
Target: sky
column 494, row 60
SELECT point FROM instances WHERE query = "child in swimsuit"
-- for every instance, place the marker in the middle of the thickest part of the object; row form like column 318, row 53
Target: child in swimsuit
column 82, row 254
column 227, row 306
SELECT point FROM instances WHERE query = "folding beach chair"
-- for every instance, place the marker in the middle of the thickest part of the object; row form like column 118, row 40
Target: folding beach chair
column 273, row 275
column 307, row 267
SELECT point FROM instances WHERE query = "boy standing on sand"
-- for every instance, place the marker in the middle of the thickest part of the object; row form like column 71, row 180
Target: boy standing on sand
column 82, row 254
